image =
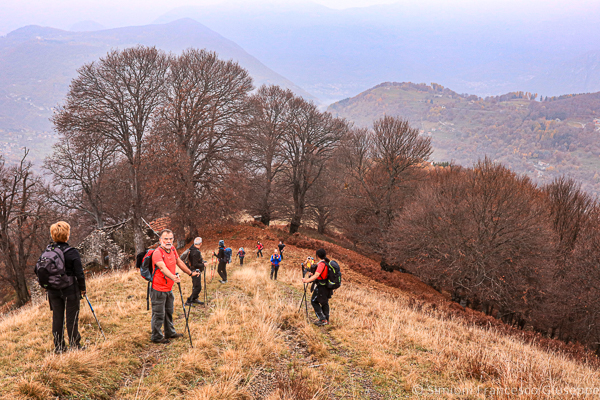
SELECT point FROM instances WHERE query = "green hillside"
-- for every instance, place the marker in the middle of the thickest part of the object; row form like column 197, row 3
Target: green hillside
column 542, row 139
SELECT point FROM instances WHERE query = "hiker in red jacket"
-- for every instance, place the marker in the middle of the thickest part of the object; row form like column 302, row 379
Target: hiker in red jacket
column 165, row 260
column 259, row 249
column 321, row 293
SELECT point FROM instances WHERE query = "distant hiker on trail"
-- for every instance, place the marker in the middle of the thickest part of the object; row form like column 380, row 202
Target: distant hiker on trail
column 259, row 249
column 222, row 267
column 275, row 260
column 321, row 293
column 281, row 246
column 196, row 263
column 165, row 261
column 241, row 254
column 64, row 291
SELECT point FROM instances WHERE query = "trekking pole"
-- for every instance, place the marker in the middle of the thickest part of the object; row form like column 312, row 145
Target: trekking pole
column 304, row 297
column 205, row 288
column 186, row 317
column 94, row 314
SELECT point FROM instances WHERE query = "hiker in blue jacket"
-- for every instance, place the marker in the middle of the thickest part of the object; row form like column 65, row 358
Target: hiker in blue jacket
column 275, row 260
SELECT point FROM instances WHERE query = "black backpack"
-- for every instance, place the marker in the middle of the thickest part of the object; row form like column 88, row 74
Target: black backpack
column 50, row 268
column 334, row 275
column 144, row 263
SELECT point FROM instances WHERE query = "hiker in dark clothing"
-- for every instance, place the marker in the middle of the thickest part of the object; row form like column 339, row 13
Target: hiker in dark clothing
column 196, row 263
column 241, row 255
column 275, row 260
column 321, row 293
column 222, row 267
column 281, row 246
column 259, row 249
column 66, row 299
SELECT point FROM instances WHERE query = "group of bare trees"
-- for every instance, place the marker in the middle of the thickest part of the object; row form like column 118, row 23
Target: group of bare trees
column 183, row 135
column 498, row 243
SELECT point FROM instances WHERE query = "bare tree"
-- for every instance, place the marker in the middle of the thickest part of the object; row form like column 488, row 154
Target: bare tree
column 205, row 107
column 483, row 233
column 80, row 165
column 310, row 140
column 569, row 208
column 264, row 133
column 381, row 167
column 117, row 98
column 22, row 213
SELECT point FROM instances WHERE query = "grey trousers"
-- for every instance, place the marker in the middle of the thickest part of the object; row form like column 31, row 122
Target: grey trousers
column 162, row 314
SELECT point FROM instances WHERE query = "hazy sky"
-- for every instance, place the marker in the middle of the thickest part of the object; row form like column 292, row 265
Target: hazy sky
column 114, row 13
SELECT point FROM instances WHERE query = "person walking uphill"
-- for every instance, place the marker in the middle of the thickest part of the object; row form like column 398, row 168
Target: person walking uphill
column 275, row 260
column 259, row 249
column 165, row 261
column 65, row 299
column 222, row 267
column 241, row 254
column 321, row 293
column 281, row 246
column 196, row 263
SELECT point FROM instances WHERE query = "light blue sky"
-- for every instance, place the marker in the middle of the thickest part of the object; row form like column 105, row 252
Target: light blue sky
column 114, row 13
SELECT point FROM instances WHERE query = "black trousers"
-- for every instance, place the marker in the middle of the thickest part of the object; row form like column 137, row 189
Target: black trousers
column 320, row 302
column 61, row 301
column 222, row 270
column 196, row 288
column 274, row 270
column 259, row 253
column 241, row 260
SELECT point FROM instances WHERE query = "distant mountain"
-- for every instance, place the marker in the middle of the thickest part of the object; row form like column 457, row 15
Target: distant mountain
column 542, row 139
column 86, row 26
column 480, row 48
column 38, row 63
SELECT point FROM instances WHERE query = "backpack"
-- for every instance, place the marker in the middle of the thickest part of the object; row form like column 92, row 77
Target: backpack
column 185, row 256
column 228, row 253
column 144, row 263
column 334, row 275
column 50, row 268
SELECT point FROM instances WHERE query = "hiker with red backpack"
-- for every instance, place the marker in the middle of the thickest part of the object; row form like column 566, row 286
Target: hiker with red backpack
column 165, row 261
column 275, row 260
column 259, row 249
column 241, row 254
column 59, row 271
column 326, row 277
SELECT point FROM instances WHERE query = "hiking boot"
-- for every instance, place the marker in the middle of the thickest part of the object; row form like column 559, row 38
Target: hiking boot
column 162, row 341
column 176, row 336
column 198, row 302
column 77, row 348
column 188, row 304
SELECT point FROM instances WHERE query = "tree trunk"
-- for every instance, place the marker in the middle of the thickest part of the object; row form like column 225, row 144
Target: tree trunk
column 138, row 234
column 23, row 295
column 298, row 213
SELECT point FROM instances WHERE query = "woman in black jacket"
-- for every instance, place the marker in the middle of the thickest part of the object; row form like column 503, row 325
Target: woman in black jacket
column 66, row 300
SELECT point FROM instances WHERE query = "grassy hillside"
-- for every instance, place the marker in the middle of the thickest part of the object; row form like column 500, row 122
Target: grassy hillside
column 251, row 343
column 541, row 139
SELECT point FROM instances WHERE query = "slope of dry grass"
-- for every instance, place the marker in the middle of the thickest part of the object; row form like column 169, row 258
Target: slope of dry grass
column 250, row 342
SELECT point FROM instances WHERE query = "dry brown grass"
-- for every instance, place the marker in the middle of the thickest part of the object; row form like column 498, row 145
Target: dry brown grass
column 252, row 343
